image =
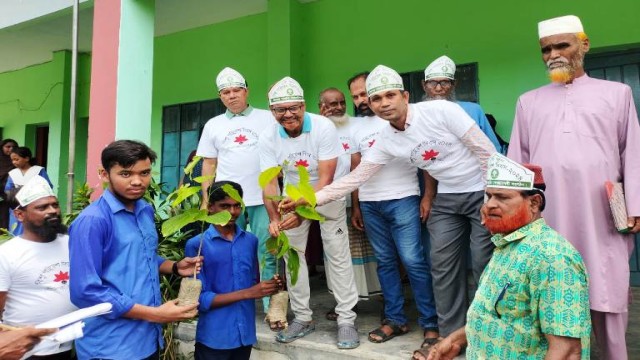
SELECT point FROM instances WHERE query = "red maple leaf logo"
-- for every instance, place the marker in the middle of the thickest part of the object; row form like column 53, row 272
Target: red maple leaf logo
column 372, row 142
column 345, row 146
column 302, row 163
column 61, row 277
column 430, row 155
column 240, row 139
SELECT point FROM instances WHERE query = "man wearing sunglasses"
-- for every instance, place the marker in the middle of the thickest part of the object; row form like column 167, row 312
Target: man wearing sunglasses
column 533, row 300
column 309, row 140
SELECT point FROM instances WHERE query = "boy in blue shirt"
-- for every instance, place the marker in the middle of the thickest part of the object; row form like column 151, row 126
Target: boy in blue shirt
column 226, row 326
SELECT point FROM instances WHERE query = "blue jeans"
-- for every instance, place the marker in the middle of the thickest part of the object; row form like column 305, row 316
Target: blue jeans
column 393, row 228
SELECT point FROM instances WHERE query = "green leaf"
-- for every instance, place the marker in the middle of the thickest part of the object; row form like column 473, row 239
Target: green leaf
column 183, row 193
column 189, row 168
column 234, row 194
column 309, row 212
column 272, row 245
column 175, row 223
column 292, row 191
column 203, row 178
column 268, row 175
column 284, row 247
column 308, row 193
column 276, row 197
column 303, row 174
column 293, row 265
column 219, row 218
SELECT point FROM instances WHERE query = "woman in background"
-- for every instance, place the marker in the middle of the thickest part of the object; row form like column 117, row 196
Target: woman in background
column 6, row 165
column 26, row 169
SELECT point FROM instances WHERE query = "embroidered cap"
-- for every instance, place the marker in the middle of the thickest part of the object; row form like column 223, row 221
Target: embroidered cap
column 35, row 189
column 228, row 77
column 285, row 90
column 442, row 67
column 508, row 174
column 383, row 78
column 569, row 24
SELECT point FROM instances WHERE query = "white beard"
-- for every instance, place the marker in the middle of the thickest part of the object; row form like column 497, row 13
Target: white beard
column 339, row 120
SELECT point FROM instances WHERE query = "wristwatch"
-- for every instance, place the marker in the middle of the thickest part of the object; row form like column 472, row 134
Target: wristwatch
column 174, row 269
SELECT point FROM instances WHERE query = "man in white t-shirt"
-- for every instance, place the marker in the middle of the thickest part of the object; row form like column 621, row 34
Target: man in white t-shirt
column 229, row 146
column 439, row 137
column 303, row 139
column 34, row 267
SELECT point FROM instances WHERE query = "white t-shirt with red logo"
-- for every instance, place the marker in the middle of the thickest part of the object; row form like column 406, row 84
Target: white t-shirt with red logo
column 319, row 143
column 346, row 145
column 397, row 179
column 432, row 142
column 234, row 142
column 36, row 278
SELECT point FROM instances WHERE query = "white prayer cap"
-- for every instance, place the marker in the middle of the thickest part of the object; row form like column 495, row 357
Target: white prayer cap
column 383, row 78
column 442, row 67
column 35, row 189
column 569, row 24
column 230, row 78
column 285, row 90
column 507, row 174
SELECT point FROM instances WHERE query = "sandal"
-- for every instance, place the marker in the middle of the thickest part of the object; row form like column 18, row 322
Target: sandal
column 348, row 336
column 423, row 352
column 296, row 330
column 396, row 330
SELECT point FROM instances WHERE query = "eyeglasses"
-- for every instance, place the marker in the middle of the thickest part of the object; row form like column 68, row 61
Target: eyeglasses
column 442, row 83
column 283, row 110
column 500, row 297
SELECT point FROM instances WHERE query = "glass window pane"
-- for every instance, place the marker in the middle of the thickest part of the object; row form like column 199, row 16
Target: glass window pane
column 170, row 119
column 189, row 116
column 170, row 147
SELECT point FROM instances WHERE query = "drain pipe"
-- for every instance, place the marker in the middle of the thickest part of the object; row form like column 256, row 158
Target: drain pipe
column 72, row 111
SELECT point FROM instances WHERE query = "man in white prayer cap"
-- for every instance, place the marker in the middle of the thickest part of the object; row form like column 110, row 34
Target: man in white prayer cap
column 303, row 139
column 229, row 146
column 440, row 84
column 440, row 138
column 583, row 132
column 34, row 267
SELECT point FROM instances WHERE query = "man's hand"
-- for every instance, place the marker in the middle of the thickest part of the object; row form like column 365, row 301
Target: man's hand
column 444, row 350
column 634, row 224
column 425, row 208
column 170, row 311
column 356, row 218
column 290, row 220
column 289, row 205
column 14, row 344
column 188, row 264
column 265, row 288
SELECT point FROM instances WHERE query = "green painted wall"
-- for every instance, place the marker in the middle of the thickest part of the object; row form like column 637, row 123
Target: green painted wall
column 39, row 95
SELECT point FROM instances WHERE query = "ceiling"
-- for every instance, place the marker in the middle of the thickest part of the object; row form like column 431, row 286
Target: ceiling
column 33, row 42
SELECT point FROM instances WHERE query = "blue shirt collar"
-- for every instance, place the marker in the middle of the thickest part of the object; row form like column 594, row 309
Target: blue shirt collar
column 306, row 126
column 116, row 205
column 245, row 112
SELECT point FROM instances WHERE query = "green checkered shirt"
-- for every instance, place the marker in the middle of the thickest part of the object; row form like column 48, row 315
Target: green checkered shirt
column 535, row 284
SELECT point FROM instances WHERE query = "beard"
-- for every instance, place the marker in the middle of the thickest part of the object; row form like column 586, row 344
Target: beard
column 364, row 110
column 451, row 96
column 49, row 229
column 339, row 120
column 565, row 69
column 506, row 225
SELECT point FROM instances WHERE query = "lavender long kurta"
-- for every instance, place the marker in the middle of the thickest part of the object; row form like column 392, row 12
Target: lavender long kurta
column 583, row 134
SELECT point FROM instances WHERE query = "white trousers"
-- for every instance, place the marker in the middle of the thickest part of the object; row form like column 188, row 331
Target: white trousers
column 335, row 241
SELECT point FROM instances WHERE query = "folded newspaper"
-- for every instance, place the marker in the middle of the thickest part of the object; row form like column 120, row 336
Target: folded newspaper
column 70, row 328
column 615, row 194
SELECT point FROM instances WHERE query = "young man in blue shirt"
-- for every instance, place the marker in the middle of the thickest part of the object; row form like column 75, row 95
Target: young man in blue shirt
column 112, row 251
column 230, row 284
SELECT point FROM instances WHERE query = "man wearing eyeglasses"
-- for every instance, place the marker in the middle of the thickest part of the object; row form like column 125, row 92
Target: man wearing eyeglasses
column 439, row 84
column 229, row 146
column 309, row 140
column 533, row 298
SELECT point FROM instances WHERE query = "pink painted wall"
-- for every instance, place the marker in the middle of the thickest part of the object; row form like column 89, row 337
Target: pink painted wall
column 104, row 75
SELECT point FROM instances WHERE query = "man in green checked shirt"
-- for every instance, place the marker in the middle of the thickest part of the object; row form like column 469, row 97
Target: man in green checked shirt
column 532, row 301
